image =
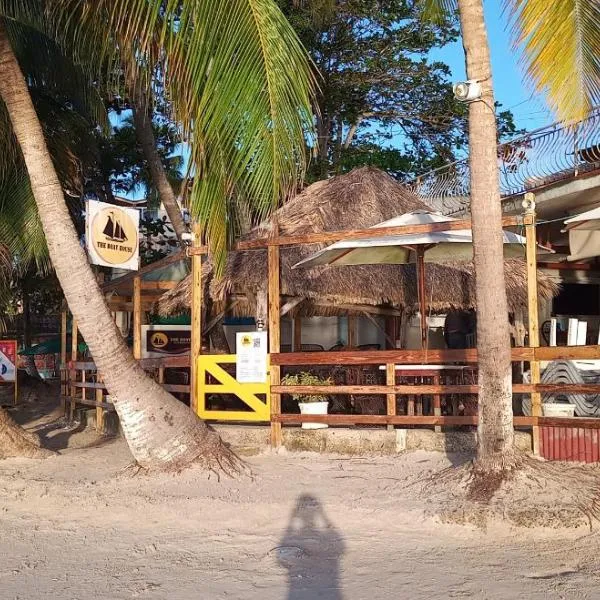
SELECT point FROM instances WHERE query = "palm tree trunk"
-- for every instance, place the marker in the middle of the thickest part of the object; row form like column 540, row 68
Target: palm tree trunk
column 145, row 135
column 16, row 442
column 161, row 431
column 495, row 433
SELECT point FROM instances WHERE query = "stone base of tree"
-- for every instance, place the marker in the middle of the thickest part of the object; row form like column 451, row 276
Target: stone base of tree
column 16, row 442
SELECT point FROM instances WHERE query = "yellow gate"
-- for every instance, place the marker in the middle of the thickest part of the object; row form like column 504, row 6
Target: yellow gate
column 209, row 365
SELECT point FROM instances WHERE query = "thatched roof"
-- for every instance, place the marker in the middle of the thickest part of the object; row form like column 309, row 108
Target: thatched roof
column 359, row 199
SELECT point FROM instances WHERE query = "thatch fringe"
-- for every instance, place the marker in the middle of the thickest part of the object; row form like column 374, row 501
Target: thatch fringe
column 359, row 199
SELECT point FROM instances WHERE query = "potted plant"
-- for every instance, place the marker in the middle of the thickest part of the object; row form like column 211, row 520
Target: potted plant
column 309, row 404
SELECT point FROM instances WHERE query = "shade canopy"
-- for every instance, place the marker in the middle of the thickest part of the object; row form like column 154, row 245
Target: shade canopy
column 584, row 235
column 437, row 246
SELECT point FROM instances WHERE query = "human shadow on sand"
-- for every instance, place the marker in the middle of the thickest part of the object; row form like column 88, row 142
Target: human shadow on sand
column 311, row 550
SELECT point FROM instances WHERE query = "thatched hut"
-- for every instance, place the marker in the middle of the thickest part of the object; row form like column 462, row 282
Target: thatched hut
column 356, row 200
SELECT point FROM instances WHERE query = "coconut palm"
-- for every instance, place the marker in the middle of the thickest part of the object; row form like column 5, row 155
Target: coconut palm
column 240, row 87
column 560, row 42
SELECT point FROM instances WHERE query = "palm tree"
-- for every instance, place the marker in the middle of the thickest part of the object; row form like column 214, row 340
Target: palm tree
column 560, row 40
column 240, row 86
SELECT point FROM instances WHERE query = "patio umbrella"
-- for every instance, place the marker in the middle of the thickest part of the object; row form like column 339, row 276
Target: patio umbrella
column 437, row 246
column 584, row 235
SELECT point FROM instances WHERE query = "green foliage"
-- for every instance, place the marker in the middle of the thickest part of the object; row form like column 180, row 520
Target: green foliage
column 157, row 239
column 381, row 101
column 377, row 84
column 124, row 164
column 306, row 378
column 238, row 82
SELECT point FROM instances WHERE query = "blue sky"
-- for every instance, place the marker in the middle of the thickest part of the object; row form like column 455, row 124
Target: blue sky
column 510, row 86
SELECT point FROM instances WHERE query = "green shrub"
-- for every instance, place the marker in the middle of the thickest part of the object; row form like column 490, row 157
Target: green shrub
column 306, row 378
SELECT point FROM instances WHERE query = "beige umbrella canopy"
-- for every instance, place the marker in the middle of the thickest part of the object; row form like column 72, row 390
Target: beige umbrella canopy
column 356, row 200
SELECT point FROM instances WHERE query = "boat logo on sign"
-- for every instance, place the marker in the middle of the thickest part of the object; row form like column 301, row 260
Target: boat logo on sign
column 159, row 340
column 114, row 235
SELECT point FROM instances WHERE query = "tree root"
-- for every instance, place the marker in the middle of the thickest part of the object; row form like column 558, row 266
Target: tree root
column 526, row 492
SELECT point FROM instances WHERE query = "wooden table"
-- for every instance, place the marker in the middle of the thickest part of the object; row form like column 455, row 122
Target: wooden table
column 436, row 374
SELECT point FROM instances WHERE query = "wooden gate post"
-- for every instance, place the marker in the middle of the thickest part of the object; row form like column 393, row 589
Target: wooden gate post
column 73, row 372
column 274, row 334
column 196, row 309
column 532, row 311
column 63, row 361
column 137, row 318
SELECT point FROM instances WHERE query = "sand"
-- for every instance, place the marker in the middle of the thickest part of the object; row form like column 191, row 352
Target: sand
column 79, row 525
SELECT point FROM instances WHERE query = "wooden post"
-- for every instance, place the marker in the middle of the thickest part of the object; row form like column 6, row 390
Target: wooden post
column 297, row 334
column 532, row 309
column 390, row 379
column 196, row 341
column 63, row 360
column 437, row 403
column 352, row 331
column 421, row 290
column 99, row 409
column 274, row 336
column 73, row 373
column 137, row 318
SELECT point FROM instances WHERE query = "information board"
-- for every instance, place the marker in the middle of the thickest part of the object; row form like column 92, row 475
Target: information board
column 251, row 356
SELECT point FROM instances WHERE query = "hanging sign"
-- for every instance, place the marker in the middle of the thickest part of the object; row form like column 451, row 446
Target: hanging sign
column 251, row 356
column 112, row 235
column 8, row 360
column 165, row 340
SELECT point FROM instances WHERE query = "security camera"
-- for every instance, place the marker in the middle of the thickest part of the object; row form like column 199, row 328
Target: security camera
column 467, row 91
column 528, row 203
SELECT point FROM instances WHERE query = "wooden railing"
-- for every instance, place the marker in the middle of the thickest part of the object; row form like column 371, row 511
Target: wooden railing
column 83, row 385
column 391, row 358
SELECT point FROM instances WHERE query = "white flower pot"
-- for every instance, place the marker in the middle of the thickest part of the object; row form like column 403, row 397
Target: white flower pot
column 313, row 408
column 558, row 409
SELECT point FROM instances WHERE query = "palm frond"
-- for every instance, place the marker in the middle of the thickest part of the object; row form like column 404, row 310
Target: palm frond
column 237, row 77
column 438, row 11
column 21, row 232
column 561, row 49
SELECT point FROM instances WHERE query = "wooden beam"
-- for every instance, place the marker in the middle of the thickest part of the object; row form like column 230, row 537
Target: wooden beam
column 63, row 359
column 74, row 338
column 390, row 379
column 567, row 353
column 379, row 357
column 374, row 310
column 352, row 331
column 158, row 285
column 532, row 312
column 196, row 251
column 274, row 313
column 566, row 266
column 196, row 309
column 129, row 306
column 113, row 284
column 359, row 234
column 290, row 305
column 395, row 420
column 429, row 389
column 166, row 362
column 137, row 318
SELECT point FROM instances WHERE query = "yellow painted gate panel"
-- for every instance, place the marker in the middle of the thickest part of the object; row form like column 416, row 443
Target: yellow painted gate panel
column 210, row 365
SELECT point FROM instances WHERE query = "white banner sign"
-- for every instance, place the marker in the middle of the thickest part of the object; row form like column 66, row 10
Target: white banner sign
column 251, row 356
column 112, row 235
column 8, row 372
